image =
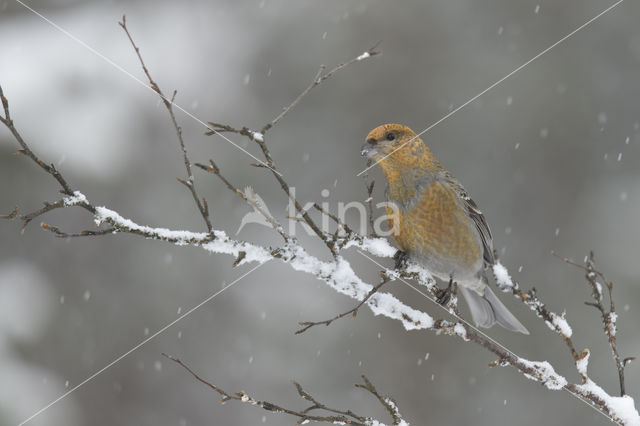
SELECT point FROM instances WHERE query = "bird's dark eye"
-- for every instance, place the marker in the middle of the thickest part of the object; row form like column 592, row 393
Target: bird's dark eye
column 391, row 136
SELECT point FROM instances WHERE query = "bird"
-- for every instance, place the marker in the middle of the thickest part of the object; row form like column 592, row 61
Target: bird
column 437, row 225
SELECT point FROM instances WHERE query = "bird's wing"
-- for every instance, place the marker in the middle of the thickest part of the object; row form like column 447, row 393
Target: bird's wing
column 476, row 215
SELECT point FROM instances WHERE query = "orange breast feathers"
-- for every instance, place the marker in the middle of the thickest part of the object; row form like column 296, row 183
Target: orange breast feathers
column 433, row 224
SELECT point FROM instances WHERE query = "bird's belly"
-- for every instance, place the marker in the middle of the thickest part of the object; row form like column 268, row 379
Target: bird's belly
column 443, row 242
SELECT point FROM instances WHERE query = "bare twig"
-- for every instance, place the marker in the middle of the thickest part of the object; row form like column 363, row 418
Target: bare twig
column 27, row 218
column 551, row 319
column 214, row 169
column 287, row 189
column 189, row 182
column 259, row 138
column 386, row 402
column 276, row 173
column 319, row 78
column 369, row 201
column 333, row 416
column 342, row 233
column 225, row 128
column 609, row 315
column 88, row 233
column 73, row 197
column 285, row 110
column 353, row 311
column 49, row 168
column 333, row 217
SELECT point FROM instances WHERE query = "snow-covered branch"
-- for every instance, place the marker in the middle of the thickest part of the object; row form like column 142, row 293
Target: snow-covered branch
column 340, row 276
column 337, row 273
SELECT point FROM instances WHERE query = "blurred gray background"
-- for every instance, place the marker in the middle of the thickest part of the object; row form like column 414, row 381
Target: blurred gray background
column 551, row 155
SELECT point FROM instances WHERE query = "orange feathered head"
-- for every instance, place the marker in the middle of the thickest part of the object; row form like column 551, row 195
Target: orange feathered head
column 395, row 145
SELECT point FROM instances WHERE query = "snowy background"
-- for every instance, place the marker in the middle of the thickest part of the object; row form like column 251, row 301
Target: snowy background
column 552, row 156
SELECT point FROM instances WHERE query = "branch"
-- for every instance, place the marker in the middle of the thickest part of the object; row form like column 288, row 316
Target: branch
column 202, row 206
column 386, row 402
column 49, row 168
column 339, row 275
column 73, row 198
column 287, row 189
column 319, row 78
column 609, row 316
column 618, row 409
column 369, row 202
column 555, row 322
column 58, row 233
column 249, row 196
column 353, row 312
column 27, row 218
column 259, row 138
column 341, row 225
column 332, row 415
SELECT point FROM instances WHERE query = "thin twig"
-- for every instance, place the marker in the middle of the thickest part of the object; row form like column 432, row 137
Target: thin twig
column 342, row 231
column 319, row 78
column 386, row 402
column 283, row 184
column 320, row 406
column 225, row 128
column 201, row 204
column 369, row 202
column 577, row 265
column 353, row 311
column 215, row 170
column 88, row 233
column 608, row 316
column 287, row 189
column 285, row 110
column 27, row 218
column 259, row 138
column 304, row 416
column 49, row 168
column 530, row 298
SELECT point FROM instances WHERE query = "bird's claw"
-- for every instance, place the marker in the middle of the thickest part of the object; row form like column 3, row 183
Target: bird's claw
column 443, row 296
column 401, row 259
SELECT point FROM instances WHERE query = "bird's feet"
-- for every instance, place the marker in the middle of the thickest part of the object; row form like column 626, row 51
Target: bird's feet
column 401, row 259
column 444, row 295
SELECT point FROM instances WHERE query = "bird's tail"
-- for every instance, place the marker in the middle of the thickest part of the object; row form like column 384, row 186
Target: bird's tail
column 487, row 310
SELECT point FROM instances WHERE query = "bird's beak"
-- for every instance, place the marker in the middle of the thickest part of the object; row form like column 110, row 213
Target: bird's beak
column 369, row 150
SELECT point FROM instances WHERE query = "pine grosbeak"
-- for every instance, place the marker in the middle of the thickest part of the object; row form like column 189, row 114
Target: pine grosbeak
column 439, row 227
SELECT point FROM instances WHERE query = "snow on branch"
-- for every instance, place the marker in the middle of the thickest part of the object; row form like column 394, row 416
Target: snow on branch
column 337, row 273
